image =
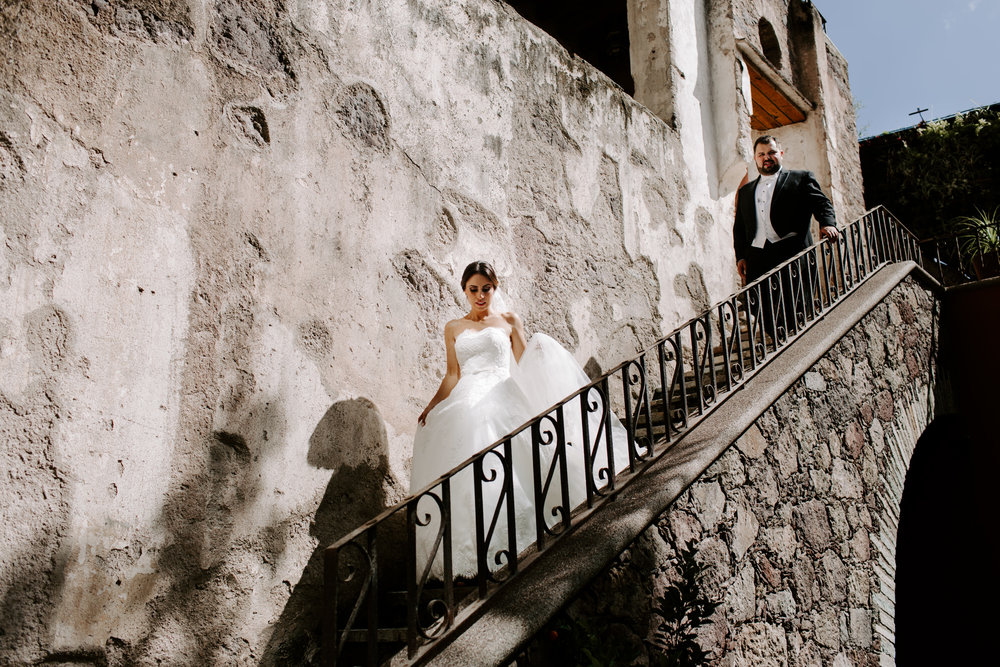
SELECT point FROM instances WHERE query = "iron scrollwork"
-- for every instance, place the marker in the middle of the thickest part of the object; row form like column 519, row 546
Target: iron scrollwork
column 759, row 318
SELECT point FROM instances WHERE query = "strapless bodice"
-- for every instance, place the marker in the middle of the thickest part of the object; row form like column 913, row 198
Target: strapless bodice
column 492, row 399
column 483, row 351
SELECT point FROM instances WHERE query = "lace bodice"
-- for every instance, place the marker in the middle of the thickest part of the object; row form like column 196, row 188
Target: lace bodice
column 483, row 351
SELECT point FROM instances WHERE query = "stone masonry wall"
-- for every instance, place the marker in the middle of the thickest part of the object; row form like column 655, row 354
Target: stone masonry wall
column 796, row 522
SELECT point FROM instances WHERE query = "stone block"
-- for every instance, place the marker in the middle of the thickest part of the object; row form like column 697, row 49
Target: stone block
column 804, row 583
column 729, row 469
column 854, row 439
column 684, row 526
column 894, row 317
column 858, row 587
column 741, row 596
column 833, row 577
column 815, row 381
column 761, row 645
column 860, row 627
column 710, row 501
column 764, row 482
column 842, row 660
column 846, row 368
column 884, row 407
column 820, row 482
column 768, row 572
column 860, row 546
column 781, row 605
column 752, row 443
column 744, row 532
column 821, row 455
column 811, row 519
column 869, row 469
column 826, row 627
column 780, row 540
column 845, row 481
column 834, row 443
column 810, row 655
column 714, row 555
column 785, row 455
column 876, row 432
column 838, row 521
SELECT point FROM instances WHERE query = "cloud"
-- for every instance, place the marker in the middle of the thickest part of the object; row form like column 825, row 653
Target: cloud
column 974, row 4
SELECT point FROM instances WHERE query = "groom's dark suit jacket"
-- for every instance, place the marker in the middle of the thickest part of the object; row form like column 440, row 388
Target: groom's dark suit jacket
column 797, row 198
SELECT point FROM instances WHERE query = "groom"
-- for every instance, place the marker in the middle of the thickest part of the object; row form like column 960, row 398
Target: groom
column 773, row 213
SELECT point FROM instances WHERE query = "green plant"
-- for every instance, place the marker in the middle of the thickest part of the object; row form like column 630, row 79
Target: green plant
column 979, row 241
column 684, row 607
column 929, row 174
column 979, row 234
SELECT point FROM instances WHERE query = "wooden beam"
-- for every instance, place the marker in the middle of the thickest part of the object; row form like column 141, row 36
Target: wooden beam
column 776, row 101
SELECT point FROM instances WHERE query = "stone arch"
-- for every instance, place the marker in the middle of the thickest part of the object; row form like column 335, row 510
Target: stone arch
column 769, row 42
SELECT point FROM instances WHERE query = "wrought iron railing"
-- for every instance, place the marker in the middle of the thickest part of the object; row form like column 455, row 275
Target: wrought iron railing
column 969, row 254
column 661, row 394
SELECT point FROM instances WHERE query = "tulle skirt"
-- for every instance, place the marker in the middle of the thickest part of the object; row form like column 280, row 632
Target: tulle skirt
column 482, row 408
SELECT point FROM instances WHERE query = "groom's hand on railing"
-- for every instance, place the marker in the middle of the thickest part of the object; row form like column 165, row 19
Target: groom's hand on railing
column 830, row 232
column 741, row 266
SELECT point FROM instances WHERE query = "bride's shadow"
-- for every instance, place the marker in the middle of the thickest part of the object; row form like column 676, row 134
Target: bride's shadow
column 351, row 440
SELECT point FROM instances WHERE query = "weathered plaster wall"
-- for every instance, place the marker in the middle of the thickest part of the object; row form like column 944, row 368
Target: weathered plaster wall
column 797, row 521
column 230, row 238
column 847, row 185
column 826, row 142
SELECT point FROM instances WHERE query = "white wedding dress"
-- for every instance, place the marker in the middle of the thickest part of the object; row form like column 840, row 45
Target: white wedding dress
column 492, row 398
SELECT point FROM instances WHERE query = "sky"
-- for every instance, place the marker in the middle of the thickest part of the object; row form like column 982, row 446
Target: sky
column 943, row 55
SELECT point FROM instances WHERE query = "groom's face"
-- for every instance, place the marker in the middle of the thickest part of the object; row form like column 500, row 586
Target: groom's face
column 768, row 158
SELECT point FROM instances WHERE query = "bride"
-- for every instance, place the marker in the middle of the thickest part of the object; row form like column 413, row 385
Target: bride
column 484, row 396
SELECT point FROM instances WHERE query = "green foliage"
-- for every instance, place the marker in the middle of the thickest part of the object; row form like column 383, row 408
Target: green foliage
column 979, row 234
column 684, row 607
column 932, row 174
column 979, row 242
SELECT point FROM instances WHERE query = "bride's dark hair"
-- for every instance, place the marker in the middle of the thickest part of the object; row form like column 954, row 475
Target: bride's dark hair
column 480, row 269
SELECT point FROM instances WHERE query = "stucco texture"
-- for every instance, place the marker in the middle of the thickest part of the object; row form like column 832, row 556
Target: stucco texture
column 230, row 235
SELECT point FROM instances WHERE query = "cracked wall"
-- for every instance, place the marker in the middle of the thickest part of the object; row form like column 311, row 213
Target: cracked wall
column 230, row 236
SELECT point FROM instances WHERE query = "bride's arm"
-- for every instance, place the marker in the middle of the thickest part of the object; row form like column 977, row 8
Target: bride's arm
column 517, row 340
column 451, row 375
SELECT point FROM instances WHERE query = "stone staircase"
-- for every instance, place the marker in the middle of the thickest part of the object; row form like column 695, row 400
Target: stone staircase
column 392, row 620
column 380, row 613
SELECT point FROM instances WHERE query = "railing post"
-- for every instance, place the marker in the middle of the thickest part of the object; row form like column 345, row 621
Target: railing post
column 373, row 598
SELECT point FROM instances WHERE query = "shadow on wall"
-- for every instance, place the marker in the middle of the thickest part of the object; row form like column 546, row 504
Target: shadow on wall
column 351, row 440
column 203, row 515
column 945, row 581
column 35, row 505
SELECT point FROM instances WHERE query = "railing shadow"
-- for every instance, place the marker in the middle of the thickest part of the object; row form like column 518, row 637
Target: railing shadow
column 660, row 394
column 350, row 439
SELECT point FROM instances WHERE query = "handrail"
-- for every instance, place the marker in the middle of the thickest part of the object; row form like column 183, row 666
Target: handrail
column 966, row 255
column 662, row 393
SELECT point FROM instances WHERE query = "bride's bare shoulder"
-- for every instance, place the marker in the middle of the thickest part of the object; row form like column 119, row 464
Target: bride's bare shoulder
column 455, row 327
